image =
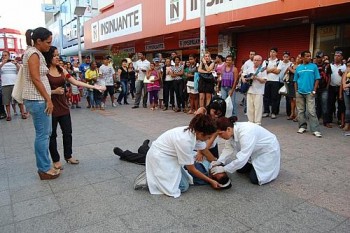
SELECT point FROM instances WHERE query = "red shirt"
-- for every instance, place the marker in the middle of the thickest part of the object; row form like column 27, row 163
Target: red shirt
column 60, row 104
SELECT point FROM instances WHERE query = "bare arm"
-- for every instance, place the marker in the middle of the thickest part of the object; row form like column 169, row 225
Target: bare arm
column 192, row 169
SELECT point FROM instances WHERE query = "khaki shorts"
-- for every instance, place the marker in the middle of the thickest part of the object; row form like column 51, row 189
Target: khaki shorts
column 7, row 94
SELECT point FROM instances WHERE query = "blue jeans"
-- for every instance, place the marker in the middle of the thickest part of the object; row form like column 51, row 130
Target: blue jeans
column 90, row 94
column 321, row 104
column 42, row 125
column 184, row 184
column 224, row 93
column 124, row 93
column 306, row 103
column 347, row 107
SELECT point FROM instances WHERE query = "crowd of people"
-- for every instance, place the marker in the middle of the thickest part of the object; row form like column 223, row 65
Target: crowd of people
column 314, row 89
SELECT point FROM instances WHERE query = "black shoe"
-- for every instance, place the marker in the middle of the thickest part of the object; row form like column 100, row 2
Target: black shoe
column 145, row 142
column 78, row 106
column 145, row 106
column 3, row 116
column 166, row 108
column 136, row 106
column 126, row 103
column 120, row 103
column 118, row 151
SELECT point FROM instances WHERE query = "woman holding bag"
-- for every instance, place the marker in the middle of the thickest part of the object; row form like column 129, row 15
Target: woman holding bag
column 206, row 80
column 229, row 77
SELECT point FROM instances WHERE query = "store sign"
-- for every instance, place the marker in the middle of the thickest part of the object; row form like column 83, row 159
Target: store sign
column 189, row 42
column 155, row 47
column 49, row 8
column 218, row 6
column 123, row 23
column 174, row 11
column 128, row 50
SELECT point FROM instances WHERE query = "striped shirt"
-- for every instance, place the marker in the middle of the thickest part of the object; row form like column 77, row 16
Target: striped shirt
column 29, row 90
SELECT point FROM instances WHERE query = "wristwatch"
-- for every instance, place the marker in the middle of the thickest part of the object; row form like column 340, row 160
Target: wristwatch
column 313, row 92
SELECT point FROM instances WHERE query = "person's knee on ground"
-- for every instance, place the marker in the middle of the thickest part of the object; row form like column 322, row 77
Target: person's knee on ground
column 253, row 177
column 246, row 168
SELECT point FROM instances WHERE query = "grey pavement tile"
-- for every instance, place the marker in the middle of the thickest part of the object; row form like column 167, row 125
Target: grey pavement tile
column 5, row 198
column 108, row 226
column 25, row 179
column 74, row 197
column 8, row 228
column 96, row 176
column 52, row 222
column 126, row 168
column 23, row 193
column 314, row 217
column 6, row 215
column 117, row 186
column 342, row 228
column 34, row 207
column 4, row 183
column 67, row 182
column 148, row 219
column 86, row 214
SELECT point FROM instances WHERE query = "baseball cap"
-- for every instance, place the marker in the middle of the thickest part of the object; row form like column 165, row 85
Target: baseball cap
column 156, row 59
column 319, row 54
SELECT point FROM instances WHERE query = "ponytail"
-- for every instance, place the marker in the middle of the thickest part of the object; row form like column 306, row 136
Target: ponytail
column 29, row 37
column 39, row 33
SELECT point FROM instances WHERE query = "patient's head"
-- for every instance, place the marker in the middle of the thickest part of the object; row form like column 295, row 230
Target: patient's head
column 222, row 179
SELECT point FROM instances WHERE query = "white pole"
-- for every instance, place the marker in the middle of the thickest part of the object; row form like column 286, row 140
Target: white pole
column 79, row 40
column 202, row 28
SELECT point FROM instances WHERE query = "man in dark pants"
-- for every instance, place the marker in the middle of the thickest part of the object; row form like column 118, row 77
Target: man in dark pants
column 168, row 86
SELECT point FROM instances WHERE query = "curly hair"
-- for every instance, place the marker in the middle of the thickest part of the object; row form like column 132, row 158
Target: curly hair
column 202, row 123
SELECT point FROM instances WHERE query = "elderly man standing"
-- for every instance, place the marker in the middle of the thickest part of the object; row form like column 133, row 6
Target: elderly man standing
column 306, row 80
column 256, row 91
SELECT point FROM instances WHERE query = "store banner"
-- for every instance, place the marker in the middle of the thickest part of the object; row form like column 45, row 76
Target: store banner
column 189, row 42
column 122, row 23
column 219, row 6
column 175, row 11
column 128, row 50
column 155, row 47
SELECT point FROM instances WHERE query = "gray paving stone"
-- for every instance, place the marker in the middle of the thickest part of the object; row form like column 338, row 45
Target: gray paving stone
column 4, row 184
column 25, row 179
column 117, row 186
column 8, row 228
column 344, row 227
column 6, row 216
column 5, row 198
column 78, row 196
column 34, row 207
column 108, row 226
column 67, row 182
column 86, row 214
column 148, row 219
column 23, row 193
column 52, row 222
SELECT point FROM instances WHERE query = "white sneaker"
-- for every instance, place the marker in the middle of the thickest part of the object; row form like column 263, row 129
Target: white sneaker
column 317, row 134
column 114, row 105
column 273, row 116
column 102, row 105
column 301, row 130
column 265, row 115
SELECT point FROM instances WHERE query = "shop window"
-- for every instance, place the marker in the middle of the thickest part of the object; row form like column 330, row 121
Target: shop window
column 2, row 45
column 330, row 38
column 10, row 43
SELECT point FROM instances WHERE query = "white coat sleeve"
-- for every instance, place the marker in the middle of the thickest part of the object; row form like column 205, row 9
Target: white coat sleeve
column 184, row 152
column 227, row 152
column 247, row 142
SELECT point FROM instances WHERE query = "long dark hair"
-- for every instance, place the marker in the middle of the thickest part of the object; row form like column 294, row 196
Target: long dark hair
column 202, row 123
column 38, row 33
column 49, row 56
column 223, row 122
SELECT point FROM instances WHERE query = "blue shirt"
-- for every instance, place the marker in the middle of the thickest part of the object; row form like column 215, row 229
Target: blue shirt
column 305, row 76
column 83, row 68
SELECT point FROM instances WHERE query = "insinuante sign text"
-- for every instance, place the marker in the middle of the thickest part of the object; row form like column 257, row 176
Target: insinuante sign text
column 123, row 23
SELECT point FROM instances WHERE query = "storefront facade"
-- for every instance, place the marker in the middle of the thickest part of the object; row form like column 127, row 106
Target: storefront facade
column 161, row 26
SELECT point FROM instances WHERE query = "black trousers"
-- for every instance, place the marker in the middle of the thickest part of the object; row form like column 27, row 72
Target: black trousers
column 271, row 97
column 333, row 96
column 168, row 91
column 66, row 127
column 178, row 88
column 2, row 108
column 248, row 168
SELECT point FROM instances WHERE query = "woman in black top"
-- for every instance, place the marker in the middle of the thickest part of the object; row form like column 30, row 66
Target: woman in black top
column 132, row 79
column 205, row 86
column 123, row 76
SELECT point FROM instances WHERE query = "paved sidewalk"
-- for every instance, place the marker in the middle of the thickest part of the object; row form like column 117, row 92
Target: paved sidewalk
column 311, row 194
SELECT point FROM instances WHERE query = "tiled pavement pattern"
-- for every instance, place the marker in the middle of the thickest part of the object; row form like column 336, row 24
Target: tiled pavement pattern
column 311, row 194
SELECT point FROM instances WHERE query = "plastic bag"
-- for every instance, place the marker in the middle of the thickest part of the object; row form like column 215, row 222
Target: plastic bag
column 229, row 106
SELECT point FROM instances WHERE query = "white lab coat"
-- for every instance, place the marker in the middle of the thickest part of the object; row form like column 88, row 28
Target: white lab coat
column 167, row 155
column 256, row 143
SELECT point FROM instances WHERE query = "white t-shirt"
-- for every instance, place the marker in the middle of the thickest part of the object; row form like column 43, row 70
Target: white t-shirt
column 257, row 87
column 282, row 66
column 168, row 75
column 142, row 65
column 107, row 73
column 272, row 64
column 8, row 74
column 335, row 77
column 249, row 63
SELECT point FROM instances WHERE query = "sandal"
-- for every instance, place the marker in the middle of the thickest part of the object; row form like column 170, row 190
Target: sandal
column 72, row 161
column 24, row 116
column 8, row 118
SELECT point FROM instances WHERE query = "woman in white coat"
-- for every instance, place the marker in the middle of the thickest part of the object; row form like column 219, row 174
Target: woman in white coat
column 172, row 151
column 258, row 151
